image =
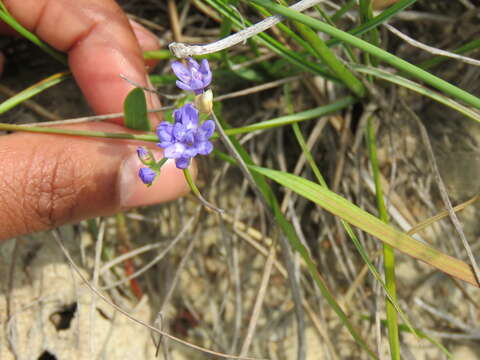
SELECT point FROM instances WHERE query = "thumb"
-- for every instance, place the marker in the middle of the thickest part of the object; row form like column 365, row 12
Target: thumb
column 50, row 180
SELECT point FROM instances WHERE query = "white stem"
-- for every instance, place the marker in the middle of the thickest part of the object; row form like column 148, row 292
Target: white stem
column 181, row 50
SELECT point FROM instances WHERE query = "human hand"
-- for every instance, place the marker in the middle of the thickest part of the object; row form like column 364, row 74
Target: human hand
column 49, row 180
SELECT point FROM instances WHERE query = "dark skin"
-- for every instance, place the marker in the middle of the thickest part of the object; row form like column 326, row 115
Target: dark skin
column 50, row 180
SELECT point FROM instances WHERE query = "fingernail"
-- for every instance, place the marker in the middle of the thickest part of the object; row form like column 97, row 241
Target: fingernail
column 169, row 185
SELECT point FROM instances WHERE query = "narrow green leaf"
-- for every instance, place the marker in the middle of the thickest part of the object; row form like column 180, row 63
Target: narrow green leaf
column 33, row 90
column 344, row 209
column 381, row 54
column 135, row 109
column 348, row 229
column 290, row 119
column 409, row 84
column 14, row 24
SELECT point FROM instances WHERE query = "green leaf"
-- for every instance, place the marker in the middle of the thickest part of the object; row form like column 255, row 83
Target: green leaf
column 135, row 109
column 349, row 212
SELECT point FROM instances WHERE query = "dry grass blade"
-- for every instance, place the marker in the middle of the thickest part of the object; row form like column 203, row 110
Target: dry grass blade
column 431, row 49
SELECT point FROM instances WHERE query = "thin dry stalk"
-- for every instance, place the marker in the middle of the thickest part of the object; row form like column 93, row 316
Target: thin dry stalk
column 444, row 193
column 174, row 22
column 431, row 49
column 262, row 290
column 159, row 257
column 173, row 285
column 96, row 274
column 97, row 292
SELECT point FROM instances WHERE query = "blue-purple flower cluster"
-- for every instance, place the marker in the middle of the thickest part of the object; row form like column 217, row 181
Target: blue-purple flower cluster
column 186, row 137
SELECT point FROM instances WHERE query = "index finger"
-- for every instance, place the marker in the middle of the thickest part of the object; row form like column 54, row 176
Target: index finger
column 99, row 41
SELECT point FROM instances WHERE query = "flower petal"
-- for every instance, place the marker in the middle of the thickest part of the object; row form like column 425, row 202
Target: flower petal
column 164, row 131
column 204, row 147
column 207, row 74
column 197, row 85
column 174, row 151
column 183, row 86
column 182, row 163
column 182, row 72
column 190, row 151
column 179, row 131
column 193, row 64
column 207, row 129
column 205, row 67
column 190, row 118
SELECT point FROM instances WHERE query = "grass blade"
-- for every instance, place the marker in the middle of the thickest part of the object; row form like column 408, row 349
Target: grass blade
column 409, row 84
column 381, row 54
column 349, row 212
column 33, row 90
column 388, row 252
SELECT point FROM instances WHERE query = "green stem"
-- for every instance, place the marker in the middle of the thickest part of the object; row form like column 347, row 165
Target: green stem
column 98, row 134
column 290, row 119
column 388, row 251
column 198, row 194
column 277, row 122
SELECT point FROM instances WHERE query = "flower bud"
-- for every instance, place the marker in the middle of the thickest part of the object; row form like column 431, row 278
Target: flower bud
column 204, row 102
column 145, row 156
column 147, row 175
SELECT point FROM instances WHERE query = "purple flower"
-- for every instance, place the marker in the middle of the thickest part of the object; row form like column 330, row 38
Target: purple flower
column 193, row 77
column 185, row 139
column 147, row 175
